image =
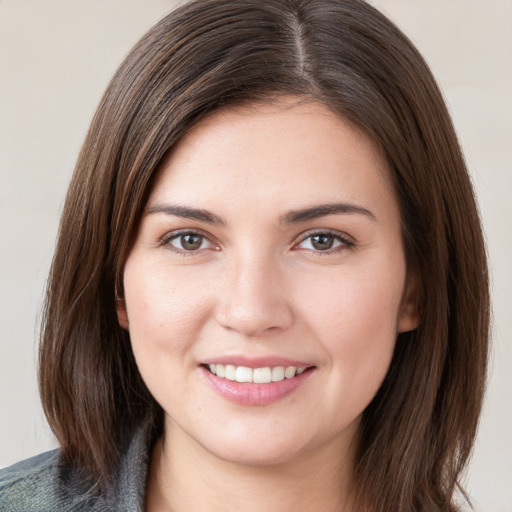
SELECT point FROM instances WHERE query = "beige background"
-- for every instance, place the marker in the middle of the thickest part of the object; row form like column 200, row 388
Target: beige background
column 56, row 57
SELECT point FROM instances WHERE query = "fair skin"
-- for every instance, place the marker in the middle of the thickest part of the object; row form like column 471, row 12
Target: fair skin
column 239, row 262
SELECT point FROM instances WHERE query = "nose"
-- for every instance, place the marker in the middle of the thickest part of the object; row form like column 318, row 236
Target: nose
column 254, row 301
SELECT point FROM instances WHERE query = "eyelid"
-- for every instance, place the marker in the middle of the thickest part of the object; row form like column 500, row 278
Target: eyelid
column 166, row 239
column 346, row 241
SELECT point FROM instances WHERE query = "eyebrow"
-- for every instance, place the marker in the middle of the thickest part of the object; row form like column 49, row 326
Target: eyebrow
column 187, row 213
column 292, row 217
column 322, row 210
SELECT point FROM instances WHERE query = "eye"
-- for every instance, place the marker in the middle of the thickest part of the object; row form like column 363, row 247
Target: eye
column 323, row 242
column 187, row 241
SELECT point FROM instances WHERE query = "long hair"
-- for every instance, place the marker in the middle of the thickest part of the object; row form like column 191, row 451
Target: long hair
column 418, row 431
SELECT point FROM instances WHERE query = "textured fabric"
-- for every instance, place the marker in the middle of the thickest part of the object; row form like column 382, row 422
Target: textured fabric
column 41, row 484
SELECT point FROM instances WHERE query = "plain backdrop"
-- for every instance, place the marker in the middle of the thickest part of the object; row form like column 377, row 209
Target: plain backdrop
column 56, row 58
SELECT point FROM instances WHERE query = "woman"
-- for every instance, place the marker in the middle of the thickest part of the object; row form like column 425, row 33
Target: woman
column 270, row 284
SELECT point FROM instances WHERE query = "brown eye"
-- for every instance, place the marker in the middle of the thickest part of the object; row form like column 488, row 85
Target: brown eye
column 189, row 242
column 322, row 242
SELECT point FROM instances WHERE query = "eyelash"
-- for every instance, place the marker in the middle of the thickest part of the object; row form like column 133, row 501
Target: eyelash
column 344, row 242
column 167, row 239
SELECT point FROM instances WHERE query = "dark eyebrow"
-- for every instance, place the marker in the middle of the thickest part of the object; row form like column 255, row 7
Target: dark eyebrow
column 322, row 210
column 292, row 217
column 186, row 212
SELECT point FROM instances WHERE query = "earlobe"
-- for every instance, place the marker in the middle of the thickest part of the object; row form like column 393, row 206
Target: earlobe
column 409, row 318
column 122, row 315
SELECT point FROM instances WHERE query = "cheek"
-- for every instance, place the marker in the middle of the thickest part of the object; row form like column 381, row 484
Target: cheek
column 348, row 303
column 354, row 318
column 165, row 312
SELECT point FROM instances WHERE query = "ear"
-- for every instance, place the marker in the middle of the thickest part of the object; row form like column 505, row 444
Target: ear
column 409, row 317
column 122, row 314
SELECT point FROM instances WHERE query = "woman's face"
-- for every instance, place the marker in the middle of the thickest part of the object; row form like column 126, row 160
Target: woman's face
column 271, row 249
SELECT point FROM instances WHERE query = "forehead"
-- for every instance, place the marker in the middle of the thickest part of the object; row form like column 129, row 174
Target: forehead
column 274, row 153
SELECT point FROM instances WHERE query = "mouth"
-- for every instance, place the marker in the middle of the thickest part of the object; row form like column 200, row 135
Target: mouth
column 261, row 385
column 263, row 375
column 255, row 380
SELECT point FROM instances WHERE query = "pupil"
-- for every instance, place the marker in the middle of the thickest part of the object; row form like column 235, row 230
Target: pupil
column 191, row 242
column 322, row 242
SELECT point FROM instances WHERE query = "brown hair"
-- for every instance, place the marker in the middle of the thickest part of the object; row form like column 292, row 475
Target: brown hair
column 418, row 432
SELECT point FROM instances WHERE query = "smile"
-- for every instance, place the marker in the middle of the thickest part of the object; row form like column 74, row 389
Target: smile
column 255, row 386
column 264, row 375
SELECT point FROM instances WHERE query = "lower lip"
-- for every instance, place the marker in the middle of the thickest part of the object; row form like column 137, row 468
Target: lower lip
column 247, row 393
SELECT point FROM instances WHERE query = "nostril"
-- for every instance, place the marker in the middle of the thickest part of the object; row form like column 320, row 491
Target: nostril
column 254, row 321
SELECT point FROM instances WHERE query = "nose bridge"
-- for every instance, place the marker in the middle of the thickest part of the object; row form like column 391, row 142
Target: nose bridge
column 254, row 298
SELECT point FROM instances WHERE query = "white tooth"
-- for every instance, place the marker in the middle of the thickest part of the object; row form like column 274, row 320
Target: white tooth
column 300, row 370
column 290, row 372
column 230, row 372
column 243, row 374
column 262, row 375
column 221, row 370
column 213, row 368
column 277, row 373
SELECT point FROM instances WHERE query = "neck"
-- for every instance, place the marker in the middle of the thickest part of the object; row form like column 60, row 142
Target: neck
column 184, row 476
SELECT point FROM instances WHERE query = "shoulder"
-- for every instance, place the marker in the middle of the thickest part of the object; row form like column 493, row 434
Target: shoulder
column 44, row 484
column 29, row 484
column 39, row 484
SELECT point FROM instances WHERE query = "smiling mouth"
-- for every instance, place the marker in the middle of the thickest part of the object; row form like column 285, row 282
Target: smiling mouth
column 264, row 375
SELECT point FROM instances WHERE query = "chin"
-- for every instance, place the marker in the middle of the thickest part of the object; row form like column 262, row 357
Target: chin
column 257, row 456
column 268, row 445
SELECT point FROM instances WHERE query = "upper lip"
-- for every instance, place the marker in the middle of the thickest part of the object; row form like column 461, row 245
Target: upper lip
column 256, row 362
